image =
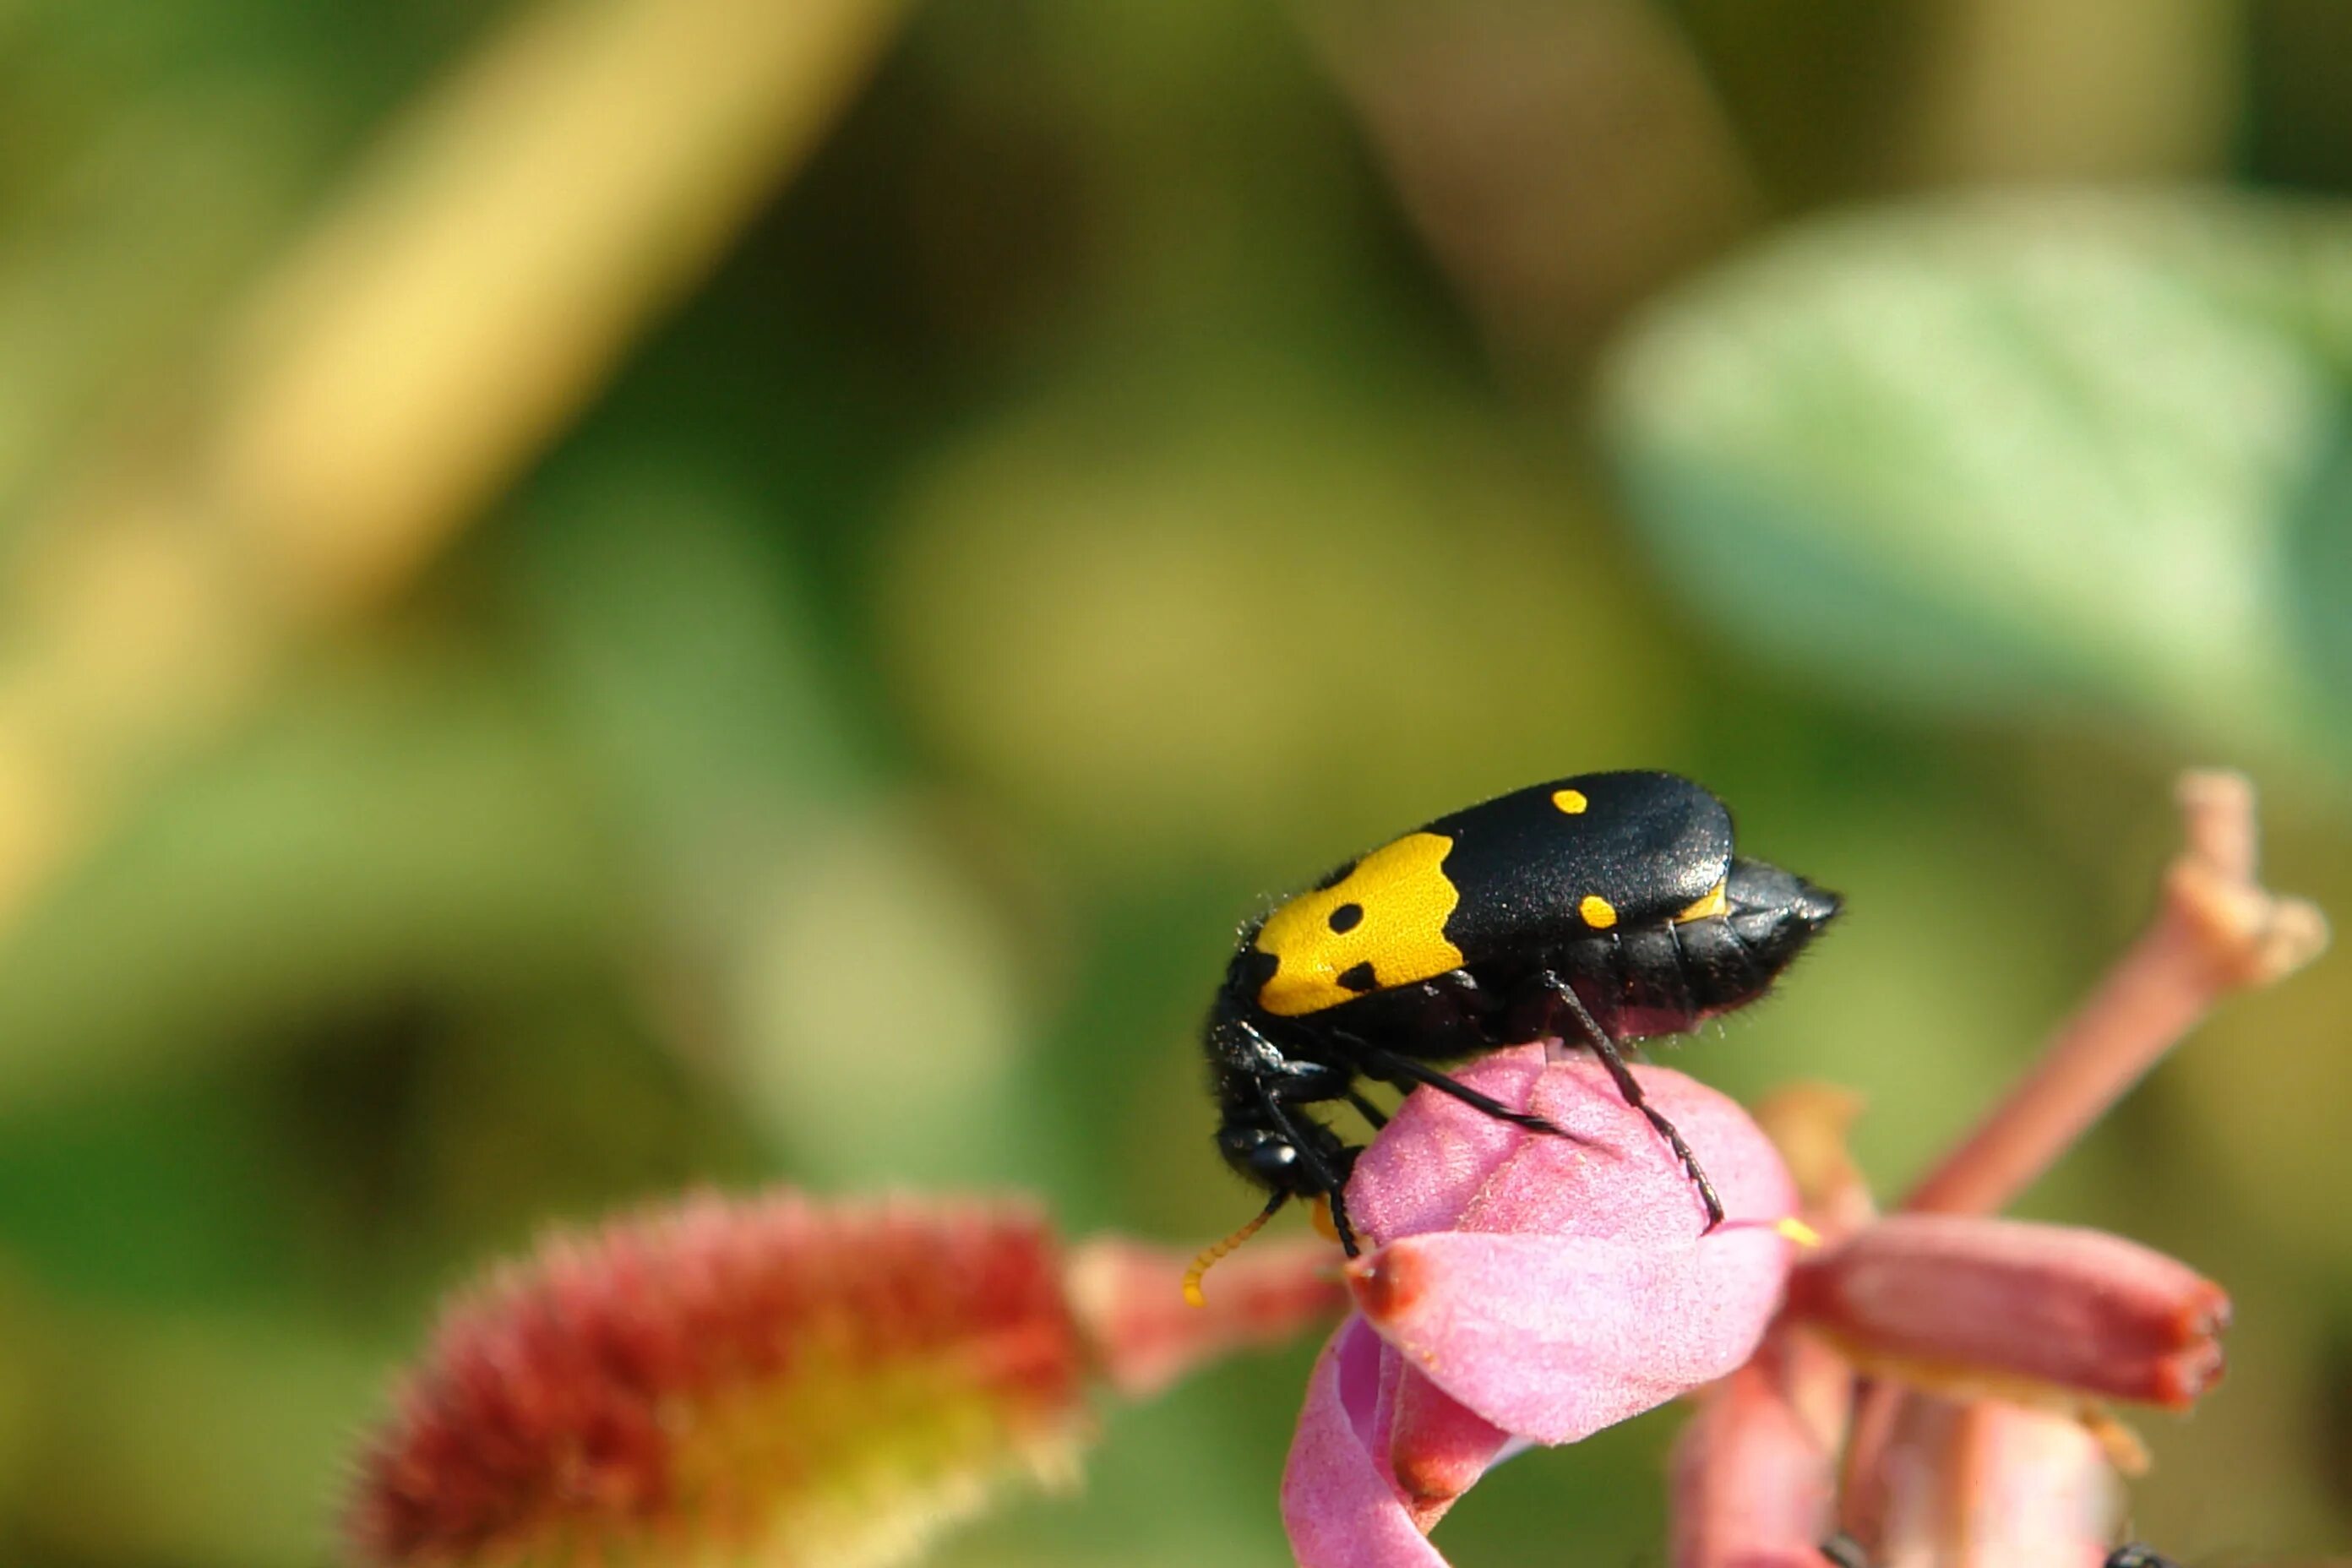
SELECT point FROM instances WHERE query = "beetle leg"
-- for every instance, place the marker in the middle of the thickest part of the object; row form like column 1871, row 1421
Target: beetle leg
column 1843, row 1550
column 1631, row 1088
column 1332, row 1184
column 1405, row 1072
column 1367, row 1111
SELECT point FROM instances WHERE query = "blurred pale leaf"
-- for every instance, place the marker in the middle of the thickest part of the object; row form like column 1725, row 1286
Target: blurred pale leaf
column 2069, row 453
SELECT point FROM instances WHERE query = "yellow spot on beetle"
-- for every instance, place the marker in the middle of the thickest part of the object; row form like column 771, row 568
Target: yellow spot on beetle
column 1401, row 900
column 1571, row 801
column 1713, row 904
column 1597, row 911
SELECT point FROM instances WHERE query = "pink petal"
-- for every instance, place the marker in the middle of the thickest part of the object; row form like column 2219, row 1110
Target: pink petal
column 1438, row 1447
column 2079, row 1310
column 1556, row 1286
column 1556, row 1342
column 1337, row 1504
column 1754, row 1471
column 1441, row 1165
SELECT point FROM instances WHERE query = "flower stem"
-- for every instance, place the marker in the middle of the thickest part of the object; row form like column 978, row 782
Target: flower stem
column 2216, row 931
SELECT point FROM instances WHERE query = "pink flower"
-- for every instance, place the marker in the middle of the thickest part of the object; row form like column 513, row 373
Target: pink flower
column 2041, row 1490
column 2006, row 1337
column 1978, row 1434
column 2004, row 1340
column 1526, row 1289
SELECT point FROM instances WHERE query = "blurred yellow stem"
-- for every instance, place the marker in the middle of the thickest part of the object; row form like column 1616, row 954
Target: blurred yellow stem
column 474, row 287
column 507, row 249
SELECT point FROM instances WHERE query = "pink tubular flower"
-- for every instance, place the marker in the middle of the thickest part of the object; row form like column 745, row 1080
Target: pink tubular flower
column 1754, row 1473
column 2006, row 1337
column 2018, row 1306
column 1977, row 1434
column 1754, row 1476
column 1527, row 1288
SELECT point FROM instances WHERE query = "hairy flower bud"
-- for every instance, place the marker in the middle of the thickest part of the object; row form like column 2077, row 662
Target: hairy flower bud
column 777, row 1380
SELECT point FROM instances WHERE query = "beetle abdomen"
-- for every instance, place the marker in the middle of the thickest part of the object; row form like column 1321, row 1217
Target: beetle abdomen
column 1666, row 979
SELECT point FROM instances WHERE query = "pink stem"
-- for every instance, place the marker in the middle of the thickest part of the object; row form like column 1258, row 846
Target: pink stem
column 2217, row 930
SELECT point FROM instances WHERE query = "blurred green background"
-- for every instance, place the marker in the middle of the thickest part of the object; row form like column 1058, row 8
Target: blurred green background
column 602, row 594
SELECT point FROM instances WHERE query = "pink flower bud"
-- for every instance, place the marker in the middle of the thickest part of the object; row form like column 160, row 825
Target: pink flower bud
column 1338, row 1501
column 1991, row 1306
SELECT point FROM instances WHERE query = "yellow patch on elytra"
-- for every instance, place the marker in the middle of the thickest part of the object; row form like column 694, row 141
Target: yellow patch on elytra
column 1571, row 801
column 1713, row 904
column 1597, row 911
column 1404, row 900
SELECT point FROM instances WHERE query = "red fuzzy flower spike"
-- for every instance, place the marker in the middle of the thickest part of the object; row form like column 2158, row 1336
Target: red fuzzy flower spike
column 776, row 1381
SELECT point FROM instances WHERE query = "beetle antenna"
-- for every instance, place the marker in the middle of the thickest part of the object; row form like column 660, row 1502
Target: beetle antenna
column 1209, row 1255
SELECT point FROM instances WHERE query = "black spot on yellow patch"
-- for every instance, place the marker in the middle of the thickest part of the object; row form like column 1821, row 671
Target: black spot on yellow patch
column 1403, row 899
column 1347, row 918
column 1358, row 979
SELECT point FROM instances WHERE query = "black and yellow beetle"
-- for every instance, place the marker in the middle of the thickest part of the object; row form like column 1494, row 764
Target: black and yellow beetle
column 1592, row 909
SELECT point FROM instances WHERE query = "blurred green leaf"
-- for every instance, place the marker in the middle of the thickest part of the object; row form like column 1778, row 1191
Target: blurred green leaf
column 854, row 986
column 2062, row 452
column 213, row 1442
column 398, row 825
column 177, row 1194
column 1240, row 612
